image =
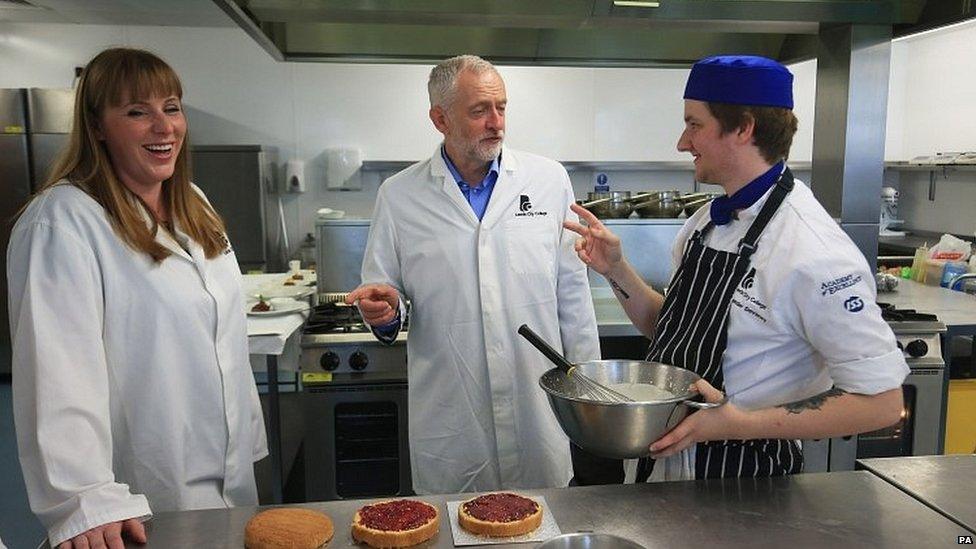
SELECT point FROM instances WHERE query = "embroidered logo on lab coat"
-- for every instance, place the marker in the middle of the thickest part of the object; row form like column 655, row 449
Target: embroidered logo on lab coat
column 525, row 208
column 227, row 248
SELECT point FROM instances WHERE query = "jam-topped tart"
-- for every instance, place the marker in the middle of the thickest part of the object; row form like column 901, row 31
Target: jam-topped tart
column 395, row 523
column 502, row 514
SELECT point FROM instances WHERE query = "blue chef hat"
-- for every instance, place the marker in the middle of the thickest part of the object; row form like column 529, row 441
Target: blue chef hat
column 741, row 80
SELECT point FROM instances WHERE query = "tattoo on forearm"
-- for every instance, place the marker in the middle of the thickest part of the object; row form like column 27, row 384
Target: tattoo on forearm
column 813, row 403
column 615, row 286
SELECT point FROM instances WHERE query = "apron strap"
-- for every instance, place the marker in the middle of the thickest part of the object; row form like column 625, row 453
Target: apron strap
column 749, row 242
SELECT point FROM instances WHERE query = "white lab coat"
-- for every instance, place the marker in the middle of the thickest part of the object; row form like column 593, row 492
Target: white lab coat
column 132, row 388
column 478, row 419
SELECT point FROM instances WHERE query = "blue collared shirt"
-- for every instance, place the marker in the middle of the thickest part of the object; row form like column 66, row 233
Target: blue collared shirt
column 477, row 195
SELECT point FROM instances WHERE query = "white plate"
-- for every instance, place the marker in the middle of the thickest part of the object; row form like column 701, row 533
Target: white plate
column 278, row 307
column 280, row 290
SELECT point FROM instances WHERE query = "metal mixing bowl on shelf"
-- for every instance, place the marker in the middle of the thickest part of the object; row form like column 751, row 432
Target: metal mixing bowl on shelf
column 609, row 205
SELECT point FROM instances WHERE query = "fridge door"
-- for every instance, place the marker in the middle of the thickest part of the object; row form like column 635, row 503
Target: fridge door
column 14, row 193
column 50, row 109
column 232, row 177
column 45, row 148
column 12, row 111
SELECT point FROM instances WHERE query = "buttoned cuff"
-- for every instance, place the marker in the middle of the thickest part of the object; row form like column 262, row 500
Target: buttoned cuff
column 387, row 333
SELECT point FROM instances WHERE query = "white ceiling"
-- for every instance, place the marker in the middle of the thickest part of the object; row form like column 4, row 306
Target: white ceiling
column 179, row 13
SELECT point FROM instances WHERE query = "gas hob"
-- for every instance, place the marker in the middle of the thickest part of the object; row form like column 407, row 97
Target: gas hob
column 336, row 340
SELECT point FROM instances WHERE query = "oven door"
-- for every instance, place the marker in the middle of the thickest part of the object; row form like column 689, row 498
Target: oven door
column 356, row 442
column 917, row 432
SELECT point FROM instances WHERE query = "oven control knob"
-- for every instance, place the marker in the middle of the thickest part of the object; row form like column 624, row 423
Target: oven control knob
column 358, row 360
column 329, row 361
column 917, row 348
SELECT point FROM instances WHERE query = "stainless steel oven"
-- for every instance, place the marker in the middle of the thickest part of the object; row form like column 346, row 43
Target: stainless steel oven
column 917, row 432
column 354, row 403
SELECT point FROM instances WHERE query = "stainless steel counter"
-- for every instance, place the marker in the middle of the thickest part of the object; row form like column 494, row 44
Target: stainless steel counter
column 851, row 509
column 944, row 483
column 954, row 309
column 611, row 320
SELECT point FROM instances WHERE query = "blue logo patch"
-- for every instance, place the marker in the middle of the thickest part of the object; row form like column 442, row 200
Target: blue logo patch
column 854, row 304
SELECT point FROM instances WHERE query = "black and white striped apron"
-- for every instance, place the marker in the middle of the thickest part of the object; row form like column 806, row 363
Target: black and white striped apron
column 692, row 333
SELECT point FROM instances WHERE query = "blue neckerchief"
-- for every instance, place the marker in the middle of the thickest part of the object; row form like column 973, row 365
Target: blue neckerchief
column 724, row 206
column 477, row 195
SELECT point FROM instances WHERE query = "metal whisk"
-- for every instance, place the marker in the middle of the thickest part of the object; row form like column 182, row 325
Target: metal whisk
column 583, row 385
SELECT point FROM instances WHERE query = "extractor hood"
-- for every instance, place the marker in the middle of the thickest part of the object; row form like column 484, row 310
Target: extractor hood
column 595, row 33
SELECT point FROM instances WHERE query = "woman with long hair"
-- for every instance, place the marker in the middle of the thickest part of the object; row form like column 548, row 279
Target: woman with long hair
column 132, row 387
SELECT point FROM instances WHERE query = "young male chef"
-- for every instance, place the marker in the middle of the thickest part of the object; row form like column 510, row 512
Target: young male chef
column 770, row 302
column 473, row 238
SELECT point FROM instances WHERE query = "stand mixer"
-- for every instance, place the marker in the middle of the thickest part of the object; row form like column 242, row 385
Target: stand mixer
column 889, row 211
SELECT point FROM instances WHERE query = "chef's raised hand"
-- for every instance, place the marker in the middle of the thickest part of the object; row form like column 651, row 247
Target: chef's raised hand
column 108, row 535
column 598, row 248
column 721, row 423
column 378, row 303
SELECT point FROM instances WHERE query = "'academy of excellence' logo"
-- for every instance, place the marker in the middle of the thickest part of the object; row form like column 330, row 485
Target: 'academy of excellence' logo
column 525, row 208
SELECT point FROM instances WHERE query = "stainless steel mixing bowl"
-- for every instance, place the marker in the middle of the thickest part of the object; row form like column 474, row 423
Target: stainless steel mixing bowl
column 621, row 430
column 588, row 540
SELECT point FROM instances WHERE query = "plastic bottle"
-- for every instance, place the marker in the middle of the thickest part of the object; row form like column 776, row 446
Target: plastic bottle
column 952, row 270
column 918, row 263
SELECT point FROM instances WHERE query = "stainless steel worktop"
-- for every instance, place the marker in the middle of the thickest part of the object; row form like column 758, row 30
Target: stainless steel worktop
column 944, row 483
column 850, row 509
column 954, row 309
column 611, row 320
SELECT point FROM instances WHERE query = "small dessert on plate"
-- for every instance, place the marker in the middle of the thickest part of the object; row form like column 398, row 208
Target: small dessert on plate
column 288, row 527
column 262, row 306
column 498, row 515
column 395, row 523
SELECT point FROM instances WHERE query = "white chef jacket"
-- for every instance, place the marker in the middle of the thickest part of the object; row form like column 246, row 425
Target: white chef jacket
column 478, row 419
column 132, row 388
column 803, row 319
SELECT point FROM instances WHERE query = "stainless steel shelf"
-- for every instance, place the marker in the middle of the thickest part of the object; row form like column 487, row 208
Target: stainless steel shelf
column 574, row 165
column 909, row 167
